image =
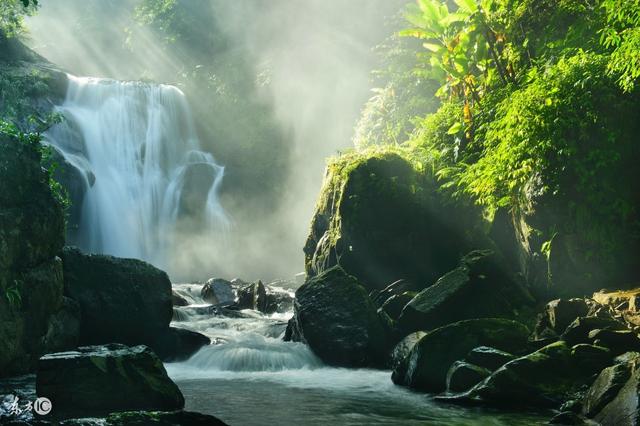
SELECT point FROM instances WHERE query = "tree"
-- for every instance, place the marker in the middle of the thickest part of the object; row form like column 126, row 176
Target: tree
column 622, row 35
column 12, row 13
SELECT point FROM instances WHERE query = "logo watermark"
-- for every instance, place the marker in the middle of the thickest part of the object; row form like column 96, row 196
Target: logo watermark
column 11, row 405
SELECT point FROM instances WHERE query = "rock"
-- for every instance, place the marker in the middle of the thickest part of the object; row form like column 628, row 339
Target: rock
column 394, row 305
column 278, row 301
column 605, row 388
column 334, row 315
column 630, row 299
column 161, row 418
column 427, row 364
column 178, row 300
column 489, row 358
column 477, row 289
column 558, row 315
column 543, row 378
column 197, row 179
column 578, row 331
column 568, row 418
column 394, row 289
column 253, row 296
column 179, row 344
column 463, row 376
column 31, row 238
column 401, row 352
column 624, row 408
column 121, row 300
column 592, row 357
column 100, row 379
column 64, row 327
column 619, row 341
column 218, row 291
column 382, row 220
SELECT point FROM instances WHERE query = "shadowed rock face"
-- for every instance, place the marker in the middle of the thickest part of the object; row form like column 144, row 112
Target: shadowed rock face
column 100, row 379
column 335, row 317
column 381, row 221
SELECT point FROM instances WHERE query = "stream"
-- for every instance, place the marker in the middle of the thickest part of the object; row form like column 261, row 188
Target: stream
column 249, row 376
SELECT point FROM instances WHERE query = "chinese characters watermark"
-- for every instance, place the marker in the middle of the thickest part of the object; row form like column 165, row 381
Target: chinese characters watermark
column 14, row 407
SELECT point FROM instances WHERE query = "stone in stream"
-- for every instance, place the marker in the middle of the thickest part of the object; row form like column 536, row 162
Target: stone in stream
column 334, row 315
column 159, row 418
column 425, row 367
column 400, row 353
column 125, row 301
column 96, row 380
column 605, row 388
column 463, row 376
column 178, row 300
column 544, row 378
column 478, row 288
column 489, row 358
column 218, row 291
column 252, row 296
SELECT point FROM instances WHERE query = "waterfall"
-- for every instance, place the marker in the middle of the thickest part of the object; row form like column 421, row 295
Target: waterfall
column 145, row 183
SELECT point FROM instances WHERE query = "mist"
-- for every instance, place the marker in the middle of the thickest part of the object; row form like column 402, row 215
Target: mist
column 308, row 72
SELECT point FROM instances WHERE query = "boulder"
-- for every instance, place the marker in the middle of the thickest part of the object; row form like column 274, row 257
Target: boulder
column 544, row 378
column 605, row 388
column 489, row 358
column 401, row 352
column 334, row 315
column 382, row 220
column 394, row 305
column 278, row 301
column 31, row 238
column 478, row 288
column 178, row 300
column 161, row 418
column 570, row 418
column 96, row 380
column 463, row 376
column 179, row 344
column 558, row 315
column 618, row 341
column 121, row 300
column 578, row 331
column 624, row 408
column 252, row 296
column 427, row 364
column 218, row 291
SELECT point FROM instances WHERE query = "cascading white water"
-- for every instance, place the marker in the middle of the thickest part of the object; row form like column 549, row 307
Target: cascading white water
column 147, row 182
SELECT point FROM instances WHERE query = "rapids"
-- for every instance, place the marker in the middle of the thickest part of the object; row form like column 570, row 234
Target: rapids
column 250, row 376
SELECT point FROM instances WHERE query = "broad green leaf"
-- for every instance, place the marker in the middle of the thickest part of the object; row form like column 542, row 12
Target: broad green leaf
column 468, row 5
column 455, row 129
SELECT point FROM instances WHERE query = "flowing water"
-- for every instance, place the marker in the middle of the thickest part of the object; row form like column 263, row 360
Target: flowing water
column 144, row 182
column 251, row 377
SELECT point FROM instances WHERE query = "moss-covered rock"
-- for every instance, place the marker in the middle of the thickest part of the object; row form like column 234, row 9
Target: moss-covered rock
column 161, row 418
column 334, row 315
column 381, row 219
column 31, row 238
column 479, row 288
column 425, row 367
column 463, row 376
column 97, row 380
column 543, row 378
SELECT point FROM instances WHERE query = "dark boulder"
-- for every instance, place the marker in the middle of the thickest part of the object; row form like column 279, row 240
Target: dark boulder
column 278, row 301
column 218, row 291
column 605, row 388
column 463, row 376
column 427, row 364
column 489, row 358
column 543, row 378
column 101, row 379
column 179, row 344
column 31, row 280
column 252, row 296
column 558, row 315
column 578, row 331
column 624, row 408
column 618, row 341
column 334, row 315
column 121, row 300
column 478, row 288
column 401, row 352
column 382, row 220
column 178, row 300
column 394, row 305
column 161, row 418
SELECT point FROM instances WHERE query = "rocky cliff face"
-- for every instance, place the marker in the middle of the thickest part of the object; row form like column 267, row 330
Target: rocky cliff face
column 31, row 237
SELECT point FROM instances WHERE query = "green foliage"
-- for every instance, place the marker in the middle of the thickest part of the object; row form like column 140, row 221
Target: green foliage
column 12, row 13
column 622, row 35
column 13, row 295
column 33, row 139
